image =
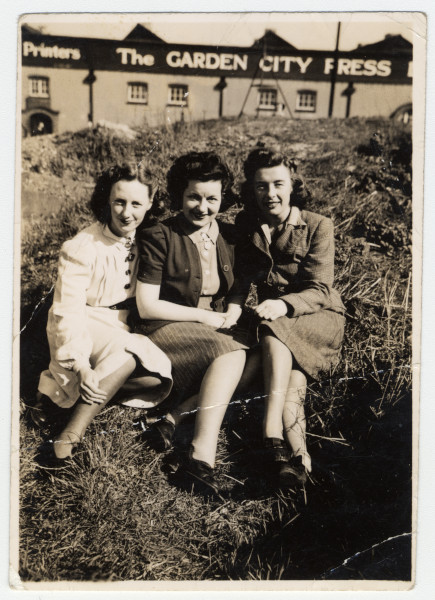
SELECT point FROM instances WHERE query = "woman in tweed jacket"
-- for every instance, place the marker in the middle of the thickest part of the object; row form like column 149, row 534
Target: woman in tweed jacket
column 288, row 253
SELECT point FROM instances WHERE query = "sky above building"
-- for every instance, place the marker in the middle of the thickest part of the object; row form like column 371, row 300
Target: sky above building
column 311, row 31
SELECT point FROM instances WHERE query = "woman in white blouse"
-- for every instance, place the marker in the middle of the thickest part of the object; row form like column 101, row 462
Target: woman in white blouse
column 93, row 353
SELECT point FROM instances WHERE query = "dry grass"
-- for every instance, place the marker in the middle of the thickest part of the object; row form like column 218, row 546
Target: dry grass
column 117, row 515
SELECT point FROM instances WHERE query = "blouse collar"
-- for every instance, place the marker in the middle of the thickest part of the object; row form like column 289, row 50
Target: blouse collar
column 294, row 219
column 197, row 237
column 125, row 241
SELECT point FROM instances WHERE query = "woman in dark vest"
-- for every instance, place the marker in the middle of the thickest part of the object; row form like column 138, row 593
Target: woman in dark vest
column 184, row 288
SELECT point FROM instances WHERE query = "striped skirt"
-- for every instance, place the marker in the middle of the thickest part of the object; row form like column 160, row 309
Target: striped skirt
column 314, row 340
column 191, row 347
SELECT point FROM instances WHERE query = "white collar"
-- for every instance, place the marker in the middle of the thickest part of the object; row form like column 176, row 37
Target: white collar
column 212, row 233
column 125, row 241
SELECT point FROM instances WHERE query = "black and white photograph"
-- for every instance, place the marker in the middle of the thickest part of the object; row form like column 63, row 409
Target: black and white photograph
column 217, row 309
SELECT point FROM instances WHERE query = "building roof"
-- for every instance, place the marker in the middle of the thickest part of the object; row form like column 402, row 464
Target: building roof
column 272, row 41
column 141, row 34
column 28, row 29
column 390, row 44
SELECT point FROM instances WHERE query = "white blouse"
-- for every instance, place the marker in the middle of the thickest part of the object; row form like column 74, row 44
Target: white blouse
column 96, row 269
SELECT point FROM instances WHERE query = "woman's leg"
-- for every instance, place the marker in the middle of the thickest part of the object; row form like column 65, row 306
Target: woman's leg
column 293, row 417
column 277, row 367
column 163, row 428
column 249, row 376
column 180, row 412
column 84, row 413
column 252, row 375
column 217, row 388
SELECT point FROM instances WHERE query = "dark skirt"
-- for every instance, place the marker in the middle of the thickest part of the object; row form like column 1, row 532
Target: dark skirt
column 191, row 347
column 314, row 340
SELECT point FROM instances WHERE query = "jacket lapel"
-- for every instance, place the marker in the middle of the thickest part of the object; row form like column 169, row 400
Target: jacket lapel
column 259, row 240
column 292, row 235
column 288, row 240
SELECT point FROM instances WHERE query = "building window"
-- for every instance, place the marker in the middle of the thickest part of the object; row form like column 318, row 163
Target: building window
column 306, row 101
column 267, row 99
column 178, row 95
column 137, row 93
column 38, row 87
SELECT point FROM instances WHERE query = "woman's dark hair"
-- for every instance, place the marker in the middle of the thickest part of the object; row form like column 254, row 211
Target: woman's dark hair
column 129, row 171
column 199, row 166
column 265, row 158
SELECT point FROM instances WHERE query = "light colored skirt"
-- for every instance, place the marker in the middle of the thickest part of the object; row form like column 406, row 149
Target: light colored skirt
column 111, row 338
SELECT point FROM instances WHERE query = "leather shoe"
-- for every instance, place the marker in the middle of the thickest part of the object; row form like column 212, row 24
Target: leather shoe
column 39, row 412
column 276, row 450
column 47, row 459
column 203, row 476
column 163, row 432
column 293, row 473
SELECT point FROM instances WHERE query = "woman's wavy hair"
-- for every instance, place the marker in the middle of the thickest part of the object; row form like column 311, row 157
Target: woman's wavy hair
column 199, row 166
column 265, row 158
column 128, row 171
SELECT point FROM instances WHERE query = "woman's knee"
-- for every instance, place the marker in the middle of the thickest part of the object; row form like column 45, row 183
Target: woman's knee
column 235, row 358
column 298, row 383
column 122, row 362
column 273, row 348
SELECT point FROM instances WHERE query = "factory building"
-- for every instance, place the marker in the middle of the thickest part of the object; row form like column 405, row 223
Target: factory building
column 69, row 83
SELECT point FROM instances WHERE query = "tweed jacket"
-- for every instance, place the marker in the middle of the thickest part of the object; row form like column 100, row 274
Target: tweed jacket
column 298, row 268
column 169, row 258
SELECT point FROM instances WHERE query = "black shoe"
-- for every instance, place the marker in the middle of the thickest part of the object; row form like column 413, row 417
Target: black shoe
column 162, row 435
column 39, row 412
column 293, row 473
column 276, row 451
column 47, row 459
column 45, row 411
column 203, row 476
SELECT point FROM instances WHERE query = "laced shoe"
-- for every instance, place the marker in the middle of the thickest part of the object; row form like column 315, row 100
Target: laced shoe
column 202, row 475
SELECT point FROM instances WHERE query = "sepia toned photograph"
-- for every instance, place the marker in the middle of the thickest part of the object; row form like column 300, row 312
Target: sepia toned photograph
column 219, row 271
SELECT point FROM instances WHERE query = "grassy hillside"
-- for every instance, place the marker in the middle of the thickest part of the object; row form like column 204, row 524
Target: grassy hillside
column 115, row 515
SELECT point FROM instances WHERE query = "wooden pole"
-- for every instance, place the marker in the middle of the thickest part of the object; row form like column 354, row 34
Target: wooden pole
column 334, row 73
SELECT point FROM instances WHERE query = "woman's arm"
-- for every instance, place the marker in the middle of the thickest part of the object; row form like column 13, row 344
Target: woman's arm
column 315, row 277
column 316, row 273
column 67, row 329
column 67, row 324
column 151, row 307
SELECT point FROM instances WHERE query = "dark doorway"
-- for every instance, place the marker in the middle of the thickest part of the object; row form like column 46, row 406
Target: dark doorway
column 40, row 124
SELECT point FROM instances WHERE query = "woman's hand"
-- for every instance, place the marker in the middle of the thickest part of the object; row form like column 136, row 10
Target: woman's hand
column 232, row 315
column 89, row 390
column 271, row 309
column 211, row 318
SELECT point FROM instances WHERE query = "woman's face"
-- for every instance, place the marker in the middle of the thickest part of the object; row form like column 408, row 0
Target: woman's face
column 201, row 202
column 129, row 202
column 272, row 189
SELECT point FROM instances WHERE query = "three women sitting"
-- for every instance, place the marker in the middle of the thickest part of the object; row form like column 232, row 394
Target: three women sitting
column 190, row 303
